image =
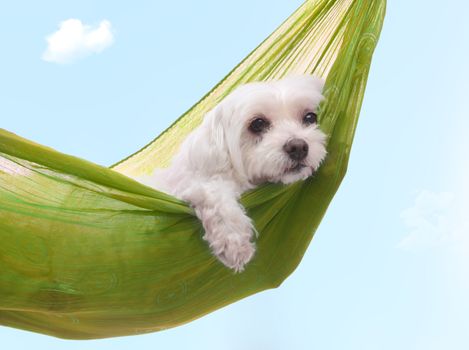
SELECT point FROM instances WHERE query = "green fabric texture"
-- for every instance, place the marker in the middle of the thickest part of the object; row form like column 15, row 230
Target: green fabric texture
column 87, row 252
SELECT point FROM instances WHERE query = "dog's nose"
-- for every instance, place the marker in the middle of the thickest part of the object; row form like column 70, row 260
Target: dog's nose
column 297, row 149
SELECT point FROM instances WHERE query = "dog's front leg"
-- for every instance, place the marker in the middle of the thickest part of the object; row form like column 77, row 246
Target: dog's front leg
column 228, row 230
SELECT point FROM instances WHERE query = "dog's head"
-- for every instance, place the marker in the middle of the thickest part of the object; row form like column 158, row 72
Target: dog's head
column 266, row 131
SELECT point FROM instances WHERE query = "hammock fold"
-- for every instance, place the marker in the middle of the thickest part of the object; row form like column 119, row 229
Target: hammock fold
column 87, row 252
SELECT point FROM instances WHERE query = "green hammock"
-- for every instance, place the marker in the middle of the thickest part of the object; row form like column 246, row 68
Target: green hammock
column 86, row 252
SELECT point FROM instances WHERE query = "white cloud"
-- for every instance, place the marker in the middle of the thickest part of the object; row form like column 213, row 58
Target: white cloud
column 75, row 40
column 437, row 220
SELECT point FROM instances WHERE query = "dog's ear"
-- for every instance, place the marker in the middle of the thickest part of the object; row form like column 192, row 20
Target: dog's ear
column 207, row 147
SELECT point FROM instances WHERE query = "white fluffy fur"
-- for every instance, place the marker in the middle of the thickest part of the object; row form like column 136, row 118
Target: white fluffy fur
column 222, row 158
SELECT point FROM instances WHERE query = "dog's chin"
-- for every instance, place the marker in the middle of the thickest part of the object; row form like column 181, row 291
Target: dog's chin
column 286, row 175
column 296, row 173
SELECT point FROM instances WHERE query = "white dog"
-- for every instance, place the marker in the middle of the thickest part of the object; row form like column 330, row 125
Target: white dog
column 261, row 132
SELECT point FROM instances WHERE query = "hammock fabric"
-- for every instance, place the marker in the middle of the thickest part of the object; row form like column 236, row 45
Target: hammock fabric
column 86, row 252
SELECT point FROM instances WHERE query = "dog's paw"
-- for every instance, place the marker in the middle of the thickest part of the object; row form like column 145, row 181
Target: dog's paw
column 234, row 251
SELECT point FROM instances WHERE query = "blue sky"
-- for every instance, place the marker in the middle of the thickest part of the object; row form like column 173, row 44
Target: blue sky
column 388, row 267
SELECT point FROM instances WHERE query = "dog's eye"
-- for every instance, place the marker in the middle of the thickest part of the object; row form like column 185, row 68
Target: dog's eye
column 258, row 125
column 310, row 118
